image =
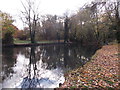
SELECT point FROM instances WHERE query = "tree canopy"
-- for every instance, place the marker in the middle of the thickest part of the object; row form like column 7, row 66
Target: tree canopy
column 8, row 28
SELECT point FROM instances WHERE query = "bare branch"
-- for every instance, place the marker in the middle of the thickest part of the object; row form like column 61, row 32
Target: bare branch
column 24, row 7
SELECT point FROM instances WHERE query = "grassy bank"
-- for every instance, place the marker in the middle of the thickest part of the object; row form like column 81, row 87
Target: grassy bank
column 17, row 41
column 101, row 72
column 25, row 43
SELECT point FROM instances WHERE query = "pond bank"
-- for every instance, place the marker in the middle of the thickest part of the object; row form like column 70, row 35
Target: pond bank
column 35, row 44
column 101, row 72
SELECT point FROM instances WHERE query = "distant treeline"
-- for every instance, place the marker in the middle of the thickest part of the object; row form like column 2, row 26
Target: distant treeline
column 94, row 23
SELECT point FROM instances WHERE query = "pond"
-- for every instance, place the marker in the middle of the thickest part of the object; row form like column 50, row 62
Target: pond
column 41, row 66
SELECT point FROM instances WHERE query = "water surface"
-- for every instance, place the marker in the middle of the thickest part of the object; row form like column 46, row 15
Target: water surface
column 41, row 66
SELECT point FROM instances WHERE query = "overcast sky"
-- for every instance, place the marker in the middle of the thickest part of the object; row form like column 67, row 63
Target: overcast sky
column 54, row 7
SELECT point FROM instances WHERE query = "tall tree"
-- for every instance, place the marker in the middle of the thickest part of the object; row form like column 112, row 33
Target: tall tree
column 31, row 17
column 66, row 27
column 113, row 12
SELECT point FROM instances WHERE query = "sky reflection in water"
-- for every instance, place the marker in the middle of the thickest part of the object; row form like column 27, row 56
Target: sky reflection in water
column 42, row 66
column 26, row 77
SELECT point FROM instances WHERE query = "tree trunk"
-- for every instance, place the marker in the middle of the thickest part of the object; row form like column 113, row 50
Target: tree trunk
column 66, row 36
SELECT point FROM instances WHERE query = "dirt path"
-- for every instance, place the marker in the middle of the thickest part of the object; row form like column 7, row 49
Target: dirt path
column 101, row 72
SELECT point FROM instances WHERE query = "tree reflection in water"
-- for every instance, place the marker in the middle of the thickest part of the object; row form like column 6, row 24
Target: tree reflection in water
column 42, row 66
column 29, row 82
column 35, row 78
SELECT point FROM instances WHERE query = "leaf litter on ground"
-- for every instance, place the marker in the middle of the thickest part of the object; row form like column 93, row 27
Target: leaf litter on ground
column 101, row 72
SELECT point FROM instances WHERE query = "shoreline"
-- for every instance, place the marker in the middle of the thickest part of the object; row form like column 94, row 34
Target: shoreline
column 46, row 43
column 101, row 72
column 35, row 44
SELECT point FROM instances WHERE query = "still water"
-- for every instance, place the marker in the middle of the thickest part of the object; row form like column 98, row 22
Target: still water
column 41, row 66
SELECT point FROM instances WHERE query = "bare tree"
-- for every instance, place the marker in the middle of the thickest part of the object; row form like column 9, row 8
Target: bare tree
column 31, row 17
column 113, row 11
